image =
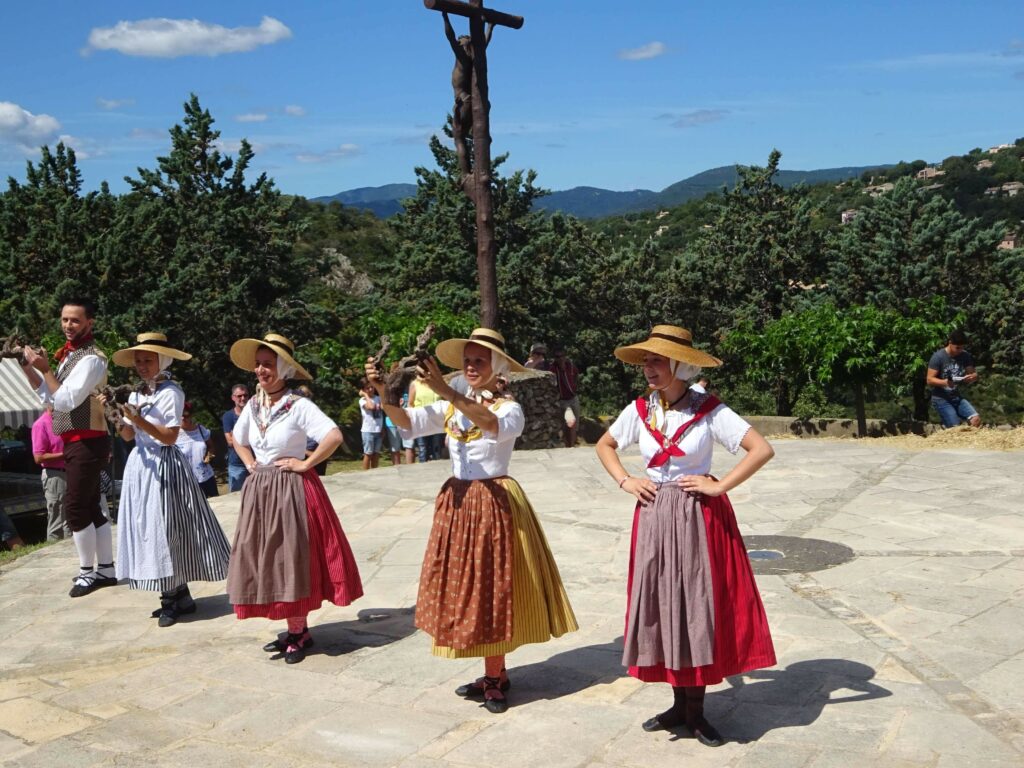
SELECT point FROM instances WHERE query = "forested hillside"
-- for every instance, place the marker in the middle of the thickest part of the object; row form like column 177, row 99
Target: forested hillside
column 814, row 316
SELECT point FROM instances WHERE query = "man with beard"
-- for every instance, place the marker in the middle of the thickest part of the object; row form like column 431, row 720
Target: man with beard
column 78, row 420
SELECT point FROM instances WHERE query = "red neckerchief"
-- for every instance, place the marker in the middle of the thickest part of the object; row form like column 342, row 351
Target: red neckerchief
column 670, row 447
column 71, row 346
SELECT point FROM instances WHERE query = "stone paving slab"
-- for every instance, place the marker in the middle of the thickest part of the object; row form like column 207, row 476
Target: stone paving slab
column 909, row 655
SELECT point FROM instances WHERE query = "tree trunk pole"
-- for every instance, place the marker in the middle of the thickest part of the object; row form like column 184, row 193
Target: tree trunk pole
column 862, row 421
column 484, row 203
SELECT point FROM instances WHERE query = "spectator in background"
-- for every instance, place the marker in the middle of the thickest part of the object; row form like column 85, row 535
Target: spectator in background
column 396, row 443
column 538, row 359
column 373, row 424
column 194, row 441
column 428, row 447
column 311, row 444
column 48, row 451
column 568, row 379
column 948, row 368
column 8, row 533
column 236, row 469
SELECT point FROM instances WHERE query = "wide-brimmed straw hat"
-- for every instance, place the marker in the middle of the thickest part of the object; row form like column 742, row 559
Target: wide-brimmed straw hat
column 670, row 341
column 148, row 342
column 243, row 353
column 449, row 351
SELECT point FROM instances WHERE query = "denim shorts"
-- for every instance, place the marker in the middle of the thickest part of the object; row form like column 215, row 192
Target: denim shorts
column 372, row 442
column 953, row 410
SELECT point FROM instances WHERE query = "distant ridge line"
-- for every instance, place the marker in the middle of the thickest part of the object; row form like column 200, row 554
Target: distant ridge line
column 594, row 202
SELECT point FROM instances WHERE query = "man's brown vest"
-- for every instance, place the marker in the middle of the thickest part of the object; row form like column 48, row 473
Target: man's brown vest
column 88, row 415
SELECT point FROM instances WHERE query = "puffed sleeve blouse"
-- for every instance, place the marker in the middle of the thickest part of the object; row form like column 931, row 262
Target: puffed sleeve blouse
column 291, row 421
column 162, row 408
column 721, row 425
column 476, row 455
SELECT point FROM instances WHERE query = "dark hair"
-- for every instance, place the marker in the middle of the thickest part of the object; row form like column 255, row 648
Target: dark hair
column 81, row 301
column 240, row 386
column 958, row 337
column 187, row 407
column 269, row 349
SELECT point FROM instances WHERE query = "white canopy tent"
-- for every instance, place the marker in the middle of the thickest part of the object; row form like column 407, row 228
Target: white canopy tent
column 19, row 405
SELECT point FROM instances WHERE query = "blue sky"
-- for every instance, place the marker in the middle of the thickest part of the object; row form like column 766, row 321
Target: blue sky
column 342, row 94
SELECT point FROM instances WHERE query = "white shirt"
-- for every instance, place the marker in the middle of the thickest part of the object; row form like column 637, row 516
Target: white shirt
column 487, row 456
column 163, row 408
column 373, row 421
column 722, row 425
column 192, row 443
column 286, row 437
column 76, row 388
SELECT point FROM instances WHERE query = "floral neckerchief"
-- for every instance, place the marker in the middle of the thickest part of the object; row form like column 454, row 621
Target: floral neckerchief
column 263, row 424
column 457, row 433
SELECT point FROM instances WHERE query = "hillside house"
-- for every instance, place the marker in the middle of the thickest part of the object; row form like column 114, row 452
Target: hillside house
column 878, row 189
column 998, row 148
column 1012, row 188
column 983, row 164
column 1011, row 240
column 848, row 215
column 929, row 172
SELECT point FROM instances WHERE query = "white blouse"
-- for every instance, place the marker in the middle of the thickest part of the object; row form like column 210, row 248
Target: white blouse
column 721, row 425
column 286, row 436
column 485, row 457
column 193, row 445
column 162, row 408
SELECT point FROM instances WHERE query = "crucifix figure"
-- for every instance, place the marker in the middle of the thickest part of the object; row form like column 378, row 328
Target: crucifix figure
column 471, row 119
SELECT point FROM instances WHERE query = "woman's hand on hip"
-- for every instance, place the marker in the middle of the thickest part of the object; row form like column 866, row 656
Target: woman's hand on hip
column 291, row 465
column 641, row 487
column 704, row 484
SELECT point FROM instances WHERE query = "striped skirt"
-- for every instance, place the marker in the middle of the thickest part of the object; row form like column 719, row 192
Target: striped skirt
column 489, row 582
column 290, row 553
column 694, row 615
column 167, row 534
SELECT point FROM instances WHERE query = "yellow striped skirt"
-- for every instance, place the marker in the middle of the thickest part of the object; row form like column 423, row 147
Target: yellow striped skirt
column 489, row 582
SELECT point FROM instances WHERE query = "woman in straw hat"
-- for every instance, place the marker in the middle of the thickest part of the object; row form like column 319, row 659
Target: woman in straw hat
column 167, row 533
column 290, row 553
column 489, row 583
column 694, row 615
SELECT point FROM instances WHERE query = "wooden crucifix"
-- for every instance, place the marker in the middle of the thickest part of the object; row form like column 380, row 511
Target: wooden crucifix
column 471, row 119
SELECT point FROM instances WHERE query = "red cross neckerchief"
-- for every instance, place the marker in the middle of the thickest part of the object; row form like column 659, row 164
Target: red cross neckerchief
column 670, row 446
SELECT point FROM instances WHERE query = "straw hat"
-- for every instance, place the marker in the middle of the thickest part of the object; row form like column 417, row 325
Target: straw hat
column 449, row 352
column 670, row 341
column 148, row 342
column 243, row 353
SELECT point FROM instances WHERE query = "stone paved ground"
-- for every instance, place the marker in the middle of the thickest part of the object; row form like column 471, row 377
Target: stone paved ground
column 910, row 655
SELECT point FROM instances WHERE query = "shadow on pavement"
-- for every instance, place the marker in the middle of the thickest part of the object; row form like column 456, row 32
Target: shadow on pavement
column 373, row 628
column 765, row 699
column 566, row 673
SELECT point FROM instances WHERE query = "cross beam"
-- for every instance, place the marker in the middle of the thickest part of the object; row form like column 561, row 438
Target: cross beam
column 487, row 15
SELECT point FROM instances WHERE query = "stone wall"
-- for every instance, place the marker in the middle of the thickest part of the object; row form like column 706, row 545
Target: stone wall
column 537, row 393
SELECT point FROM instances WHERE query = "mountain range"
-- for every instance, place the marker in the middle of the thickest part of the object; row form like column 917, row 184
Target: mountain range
column 593, row 202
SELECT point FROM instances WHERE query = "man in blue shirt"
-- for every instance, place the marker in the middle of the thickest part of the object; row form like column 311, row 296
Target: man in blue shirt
column 948, row 368
column 236, row 469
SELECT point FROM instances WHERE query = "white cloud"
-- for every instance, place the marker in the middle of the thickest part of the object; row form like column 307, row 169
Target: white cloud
column 114, row 103
column 84, row 148
column 252, row 117
column 699, row 117
column 25, row 130
column 648, row 51
column 343, row 151
column 295, row 110
column 170, row 38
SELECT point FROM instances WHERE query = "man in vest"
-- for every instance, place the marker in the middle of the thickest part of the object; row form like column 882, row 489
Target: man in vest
column 78, row 420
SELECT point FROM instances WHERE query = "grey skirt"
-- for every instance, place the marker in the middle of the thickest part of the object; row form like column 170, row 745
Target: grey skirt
column 671, row 617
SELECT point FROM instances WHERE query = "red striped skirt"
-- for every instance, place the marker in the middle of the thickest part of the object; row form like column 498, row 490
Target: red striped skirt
column 740, row 639
column 290, row 553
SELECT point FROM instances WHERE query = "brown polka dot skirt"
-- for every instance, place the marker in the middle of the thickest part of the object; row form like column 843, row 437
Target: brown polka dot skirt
column 489, row 582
